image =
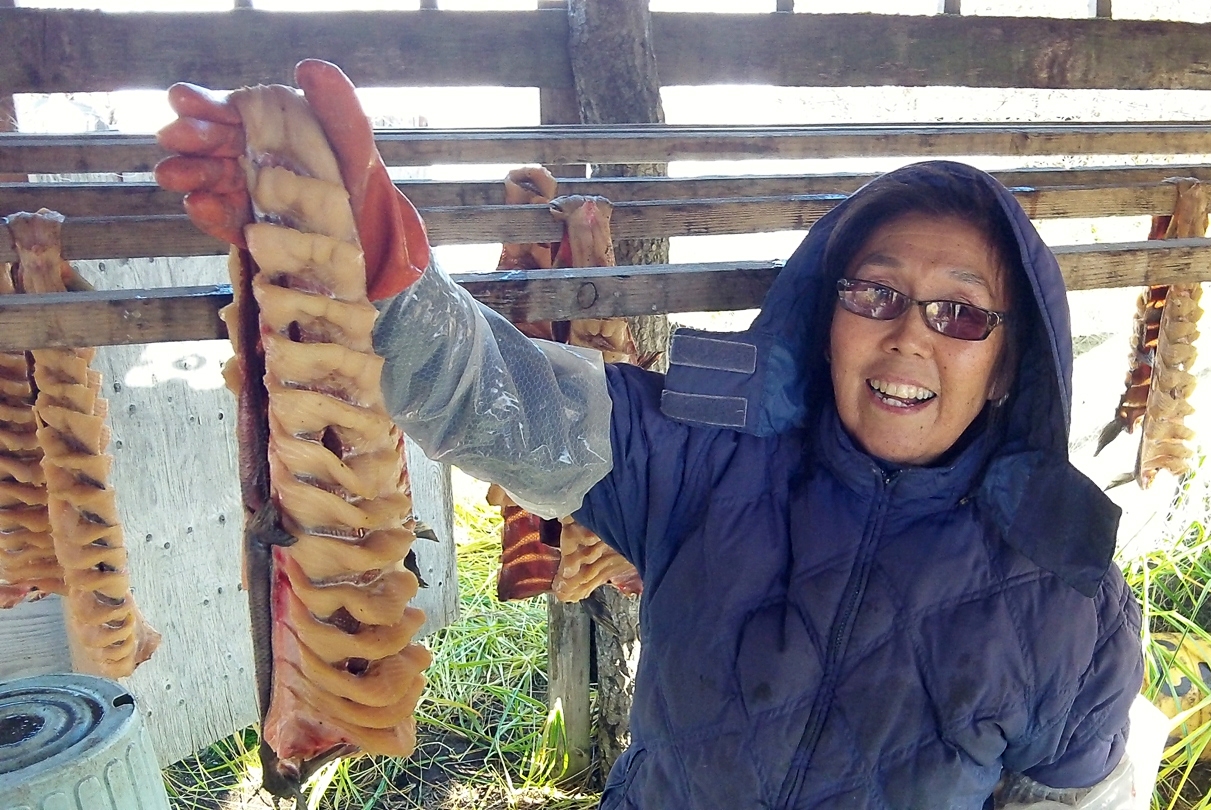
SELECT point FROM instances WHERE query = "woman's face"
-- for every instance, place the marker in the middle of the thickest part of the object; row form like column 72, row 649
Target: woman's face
column 904, row 392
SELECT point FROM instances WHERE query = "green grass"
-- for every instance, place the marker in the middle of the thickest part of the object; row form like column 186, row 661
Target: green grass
column 1172, row 582
column 485, row 737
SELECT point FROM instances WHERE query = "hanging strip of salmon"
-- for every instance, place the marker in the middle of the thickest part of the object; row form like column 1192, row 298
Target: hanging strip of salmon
column 1165, row 443
column 109, row 635
column 1159, row 378
column 28, row 566
column 325, row 489
column 560, row 556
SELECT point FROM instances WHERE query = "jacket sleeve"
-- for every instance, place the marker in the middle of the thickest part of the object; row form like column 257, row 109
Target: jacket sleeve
column 663, row 472
column 473, row 391
column 1081, row 746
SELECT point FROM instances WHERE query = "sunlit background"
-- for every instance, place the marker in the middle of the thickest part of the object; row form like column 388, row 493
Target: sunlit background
column 1102, row 319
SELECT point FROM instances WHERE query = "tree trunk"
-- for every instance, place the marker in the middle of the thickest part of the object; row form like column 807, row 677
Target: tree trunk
column 614, row 73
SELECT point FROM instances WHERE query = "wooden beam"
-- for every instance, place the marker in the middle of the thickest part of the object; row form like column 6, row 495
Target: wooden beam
column 66, row 51
column 155, row 236
column 659, row 143
column 113, row 317
column 108, row 199
column 1101, row 8
column 190, row 313
column 58, row 50
column 855, row 50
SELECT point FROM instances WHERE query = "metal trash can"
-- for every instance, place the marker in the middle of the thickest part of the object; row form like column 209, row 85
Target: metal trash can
column 75, row 742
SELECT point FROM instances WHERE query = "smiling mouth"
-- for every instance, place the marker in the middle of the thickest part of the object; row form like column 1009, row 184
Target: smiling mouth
column 900, row 395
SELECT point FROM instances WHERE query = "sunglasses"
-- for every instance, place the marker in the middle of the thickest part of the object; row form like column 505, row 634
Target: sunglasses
column 951, row 318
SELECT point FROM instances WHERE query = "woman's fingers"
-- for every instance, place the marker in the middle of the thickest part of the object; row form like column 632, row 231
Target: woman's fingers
column 186, row 173
column 220, row 215
column 196, row 136
column 206, row 140
column 191, row 101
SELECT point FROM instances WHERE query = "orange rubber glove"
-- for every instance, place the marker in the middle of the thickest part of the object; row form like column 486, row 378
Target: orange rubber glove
column 208, row 139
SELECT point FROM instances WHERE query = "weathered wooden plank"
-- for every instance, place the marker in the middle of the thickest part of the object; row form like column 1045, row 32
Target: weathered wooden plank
column 568, row 629
column 657, row 143
column 184, row 313
column 65, row 51
column 839, row 50
column 131, row 237
column 139, row 199
column 1130, row 264
column 45, row 51
column 34, row 639
column 711, row 211
column 121, row 316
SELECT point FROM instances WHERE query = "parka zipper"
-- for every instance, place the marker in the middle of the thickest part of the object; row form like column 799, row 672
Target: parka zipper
column 842, row 626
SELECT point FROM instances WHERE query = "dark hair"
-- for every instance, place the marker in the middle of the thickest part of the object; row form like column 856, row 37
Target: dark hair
column 932, row 192
column 935, row 192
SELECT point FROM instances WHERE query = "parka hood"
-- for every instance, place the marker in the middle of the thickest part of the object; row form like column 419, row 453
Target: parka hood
column 772, row 378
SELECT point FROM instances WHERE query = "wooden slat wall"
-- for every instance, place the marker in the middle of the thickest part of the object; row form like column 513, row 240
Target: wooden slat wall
column 135, row 316
column 147, row 199
column 162, row 235
column 46, row 51
column 659, row 143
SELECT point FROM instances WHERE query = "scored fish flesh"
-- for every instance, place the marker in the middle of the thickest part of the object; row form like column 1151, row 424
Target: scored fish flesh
column 325, row 488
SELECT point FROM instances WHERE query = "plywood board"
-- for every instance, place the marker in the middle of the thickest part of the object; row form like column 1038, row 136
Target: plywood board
column 34, row 639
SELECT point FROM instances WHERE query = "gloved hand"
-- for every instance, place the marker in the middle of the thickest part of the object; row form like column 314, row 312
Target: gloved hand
column 208, row 139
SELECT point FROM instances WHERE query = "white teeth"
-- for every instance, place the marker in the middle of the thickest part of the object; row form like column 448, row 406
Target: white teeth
column 902, row 390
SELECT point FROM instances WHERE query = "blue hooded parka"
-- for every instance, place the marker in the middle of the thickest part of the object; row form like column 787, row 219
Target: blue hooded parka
column 823, row 631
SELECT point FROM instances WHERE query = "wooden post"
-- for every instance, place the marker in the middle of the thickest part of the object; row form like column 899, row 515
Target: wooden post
column 569, row 645
column 615, row 75
column 949, row 7
column 787, row 6
column 1100, row 9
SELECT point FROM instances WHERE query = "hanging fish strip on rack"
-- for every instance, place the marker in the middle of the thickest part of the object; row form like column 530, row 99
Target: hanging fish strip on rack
column 325, row 489
column 1159, row 379
column 103, row 621
column 28, row 566
column 559, row 556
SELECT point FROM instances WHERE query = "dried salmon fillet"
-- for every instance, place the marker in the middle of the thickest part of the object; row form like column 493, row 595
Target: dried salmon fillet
column 102, row 618
column 28, row 566
column 561, row 557
column 1159, row 377
column 329, row 510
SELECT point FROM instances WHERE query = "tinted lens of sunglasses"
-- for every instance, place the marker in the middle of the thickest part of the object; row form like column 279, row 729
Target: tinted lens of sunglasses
column 872, row 300
column 956, row 320
column 882, row 303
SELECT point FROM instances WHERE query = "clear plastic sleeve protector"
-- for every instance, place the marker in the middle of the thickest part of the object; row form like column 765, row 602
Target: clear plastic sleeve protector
column 474, row 392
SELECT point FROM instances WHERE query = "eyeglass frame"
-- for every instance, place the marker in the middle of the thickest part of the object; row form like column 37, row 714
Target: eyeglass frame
column 993, row 317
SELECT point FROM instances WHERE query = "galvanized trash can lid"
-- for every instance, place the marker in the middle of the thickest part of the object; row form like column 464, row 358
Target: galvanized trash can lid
column 49, row 720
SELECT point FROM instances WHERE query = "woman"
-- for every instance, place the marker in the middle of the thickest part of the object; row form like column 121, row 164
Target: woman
column 871, row 576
